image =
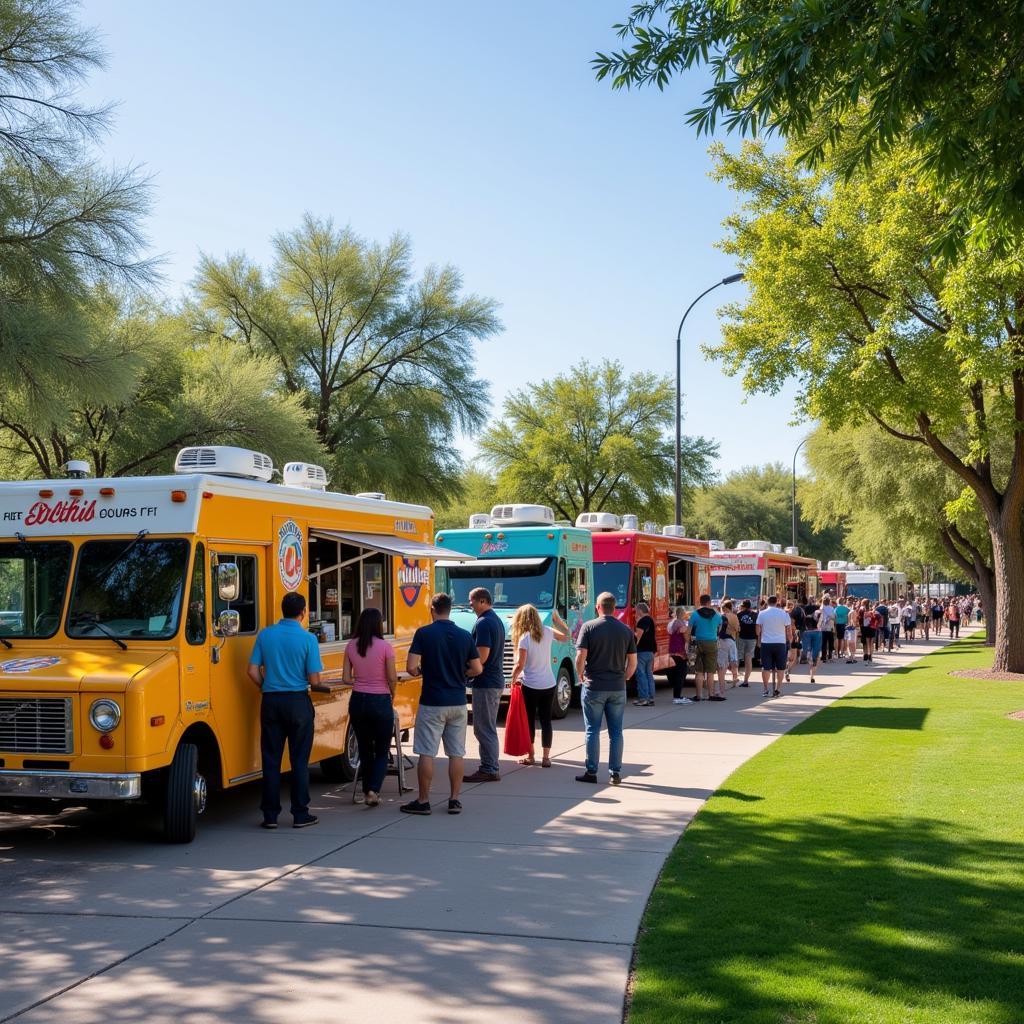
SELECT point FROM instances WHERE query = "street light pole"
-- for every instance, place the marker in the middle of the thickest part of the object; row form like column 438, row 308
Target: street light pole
column 795, row 454
column 731, row 279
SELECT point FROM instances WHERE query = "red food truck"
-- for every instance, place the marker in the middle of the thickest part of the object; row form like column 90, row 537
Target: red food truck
column 663, row 568
column 757, row 568
column 833, row 579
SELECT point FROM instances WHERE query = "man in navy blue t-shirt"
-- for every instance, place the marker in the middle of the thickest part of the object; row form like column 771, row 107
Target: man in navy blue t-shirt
column 446, row 656
column 489, row 637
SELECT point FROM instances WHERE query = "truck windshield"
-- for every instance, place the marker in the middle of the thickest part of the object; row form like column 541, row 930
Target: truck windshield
column 739, row 587
column 510, row 585
column 868, row 590
column 33, row 580
column 612, row 577
column 133, row 589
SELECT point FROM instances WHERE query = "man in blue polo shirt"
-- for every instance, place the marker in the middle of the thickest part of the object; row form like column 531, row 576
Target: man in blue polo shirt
column 285, row 662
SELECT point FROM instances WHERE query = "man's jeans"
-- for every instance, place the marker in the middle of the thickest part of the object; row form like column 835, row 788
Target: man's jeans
column 610, row 705
column 485, row 726
column 645, row 675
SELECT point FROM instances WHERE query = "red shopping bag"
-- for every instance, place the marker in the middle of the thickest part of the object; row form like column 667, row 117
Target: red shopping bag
column 517, row 728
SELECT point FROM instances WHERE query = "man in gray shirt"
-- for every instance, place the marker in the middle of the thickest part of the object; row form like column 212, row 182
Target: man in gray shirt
column 605, row 659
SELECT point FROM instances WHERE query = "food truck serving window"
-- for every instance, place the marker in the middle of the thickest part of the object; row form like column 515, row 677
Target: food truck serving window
column 345, row 579
column 129, row 589
column 33, row 579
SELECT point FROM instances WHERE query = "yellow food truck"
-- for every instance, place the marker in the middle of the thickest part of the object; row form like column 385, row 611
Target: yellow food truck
column 129, row 608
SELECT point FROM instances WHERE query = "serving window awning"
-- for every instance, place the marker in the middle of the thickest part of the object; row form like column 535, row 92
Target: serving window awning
column 490, row 563
column 388, row 544
column 701, row 560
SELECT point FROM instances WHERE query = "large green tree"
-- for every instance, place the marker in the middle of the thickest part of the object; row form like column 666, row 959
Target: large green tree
column 382, row 359
column 898, row 505
column 594, row 440
column 477, row 492
column 846, row 299
column 169, row 393
column 756, row 502
column 941, row 80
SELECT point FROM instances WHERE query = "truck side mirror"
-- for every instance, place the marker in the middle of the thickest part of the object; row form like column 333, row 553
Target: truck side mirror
column 228, row 581
column 228, row 622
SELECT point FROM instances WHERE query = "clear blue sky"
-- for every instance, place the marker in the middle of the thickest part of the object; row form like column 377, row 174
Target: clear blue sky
column 479, row 130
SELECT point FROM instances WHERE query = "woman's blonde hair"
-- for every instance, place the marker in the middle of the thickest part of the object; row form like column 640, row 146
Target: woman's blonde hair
column 527, row 621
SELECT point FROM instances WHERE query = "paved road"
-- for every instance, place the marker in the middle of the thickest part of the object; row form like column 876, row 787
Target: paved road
column 524, row 908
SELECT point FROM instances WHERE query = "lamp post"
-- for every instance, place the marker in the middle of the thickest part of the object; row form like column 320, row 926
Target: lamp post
column 795, row 454
column 731, row 279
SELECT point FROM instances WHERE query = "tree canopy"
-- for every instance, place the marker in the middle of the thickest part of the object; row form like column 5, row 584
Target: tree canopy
column 381, row 359
column 592, row 440
column 847, row 299
column 848, row 81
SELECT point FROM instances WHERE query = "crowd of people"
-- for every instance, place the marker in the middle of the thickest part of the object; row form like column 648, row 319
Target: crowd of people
column 714, row 640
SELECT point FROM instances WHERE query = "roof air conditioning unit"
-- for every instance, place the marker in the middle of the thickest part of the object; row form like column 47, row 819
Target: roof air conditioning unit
column 522, row 515
column 777, row 549
column 837, row 564
column 790, row 550
column 76, row 469
column 373, row 495
column 673, row 530
column 304, row 474
column 225, row 460
column 716, row 545
column 817, row 564
column 877, row 568
column 852, row 567
column 597, row 521
column 630, row 522
column 479, row 521
column 650, row 527
column 756, row 545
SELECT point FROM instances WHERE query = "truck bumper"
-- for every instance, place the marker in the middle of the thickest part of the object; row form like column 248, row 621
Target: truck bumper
column 70, row 785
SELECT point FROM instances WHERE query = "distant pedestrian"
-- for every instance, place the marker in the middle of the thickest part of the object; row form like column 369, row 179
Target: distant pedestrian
column 605, row 659
column 531, row 641
column 775, row 632
column 842, row 624
column 446, row 656
column 728, row 656
column 796, row 614
column 703, row 629
column 866, row 622
column 646, row 649
column 810, row 641
column 746, row 645
column 826, row 621
column 370, row 669
column 677, row 652
column 953, row 618
column 284, row 664
column 489, row 637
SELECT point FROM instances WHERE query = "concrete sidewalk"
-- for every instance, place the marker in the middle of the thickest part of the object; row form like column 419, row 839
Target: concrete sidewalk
column 523, row 908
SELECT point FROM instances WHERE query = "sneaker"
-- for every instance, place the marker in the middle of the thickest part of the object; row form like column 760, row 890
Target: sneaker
column 648, row 703
column 764, row 693
column 586, row 777
column 268, row 823
column 415, row 807
column 372, row 799
column 304, row 821
column 454, row 807
column 482, row 776
column 717, row 696
column 639, row 703
column 615, row 778
column 776, row 693
column 743, row 685
column 681, row 700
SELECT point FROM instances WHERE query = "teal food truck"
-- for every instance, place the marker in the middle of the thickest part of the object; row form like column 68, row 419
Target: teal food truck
column 524, row 557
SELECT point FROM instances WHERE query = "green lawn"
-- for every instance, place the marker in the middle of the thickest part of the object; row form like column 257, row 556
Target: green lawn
column 868, row 867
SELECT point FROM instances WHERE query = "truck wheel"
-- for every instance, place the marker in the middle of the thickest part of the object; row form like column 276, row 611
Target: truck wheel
column 563, row 693
column 184, row 795
column 343, row 767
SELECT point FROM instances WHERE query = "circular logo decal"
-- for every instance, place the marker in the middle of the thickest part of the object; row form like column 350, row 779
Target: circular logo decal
column 27, row 664
column 290, row 555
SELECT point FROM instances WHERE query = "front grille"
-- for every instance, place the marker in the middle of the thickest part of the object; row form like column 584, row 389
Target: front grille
column 508, row 661
column 36, row 725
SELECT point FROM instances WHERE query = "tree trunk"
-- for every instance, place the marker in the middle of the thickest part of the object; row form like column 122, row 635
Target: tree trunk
column 985, row 580
column 1008, row 572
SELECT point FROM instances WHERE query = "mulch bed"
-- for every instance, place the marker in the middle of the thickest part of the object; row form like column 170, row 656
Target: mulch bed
column 988, row 673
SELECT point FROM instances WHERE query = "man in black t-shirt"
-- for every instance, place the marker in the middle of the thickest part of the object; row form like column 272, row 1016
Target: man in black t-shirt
column 746, row 643
column 646, row 648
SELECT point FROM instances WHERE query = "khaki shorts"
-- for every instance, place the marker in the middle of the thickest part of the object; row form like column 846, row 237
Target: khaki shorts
column 727, row 652
column 435, row 725
column 707, row 656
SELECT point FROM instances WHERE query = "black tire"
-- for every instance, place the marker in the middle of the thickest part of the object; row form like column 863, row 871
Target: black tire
column 343, row 767
column 563, row 698
column 184, row 795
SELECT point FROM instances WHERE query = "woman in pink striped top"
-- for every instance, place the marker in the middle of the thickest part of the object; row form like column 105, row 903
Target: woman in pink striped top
column 370, row 668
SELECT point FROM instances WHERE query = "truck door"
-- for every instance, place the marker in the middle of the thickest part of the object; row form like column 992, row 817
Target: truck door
column 235, row 700
column 195, row 662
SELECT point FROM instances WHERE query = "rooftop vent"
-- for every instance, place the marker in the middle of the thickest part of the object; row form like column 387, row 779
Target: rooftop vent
column 757, row 545
column 225, row 460
column 479, row 521
column 303, row 474
column 877, row 568
column 674, row 530
column 790, row 550
column 597, row 521
column 650, row 526
column 838, row 564
column 777, row 548
column 716, row 545
column 522, row 515
column 630, row 522
column 77, row 469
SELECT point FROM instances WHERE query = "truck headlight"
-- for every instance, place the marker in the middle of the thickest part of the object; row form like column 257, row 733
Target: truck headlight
column 104, row 715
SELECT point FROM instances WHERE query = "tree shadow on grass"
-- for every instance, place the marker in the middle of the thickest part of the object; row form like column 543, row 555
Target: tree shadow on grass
column 833, row 920
column 837, row 717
